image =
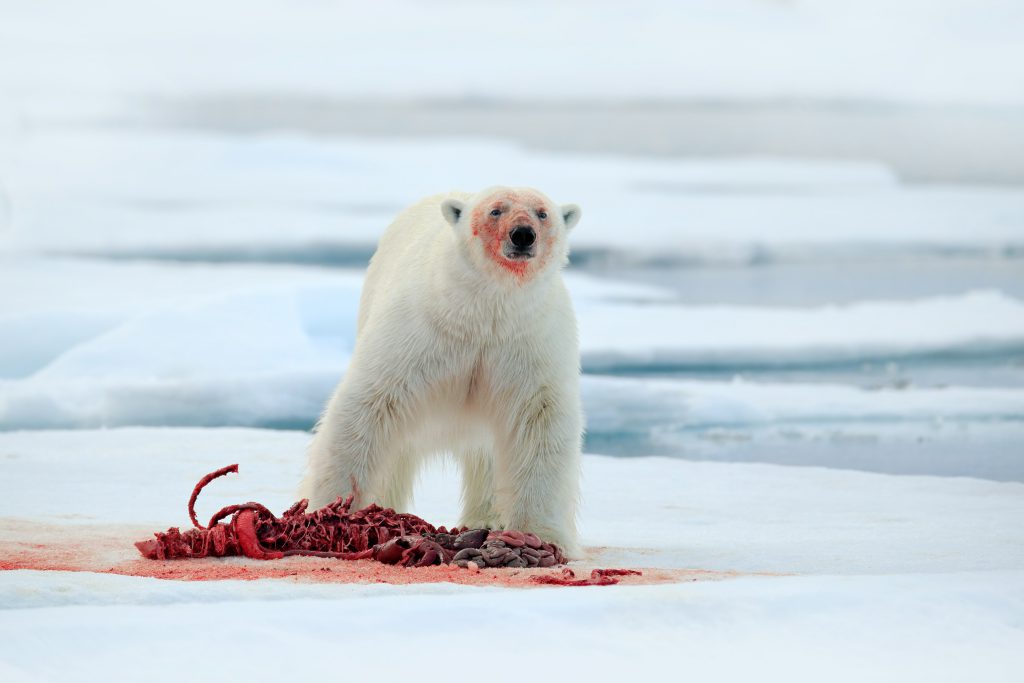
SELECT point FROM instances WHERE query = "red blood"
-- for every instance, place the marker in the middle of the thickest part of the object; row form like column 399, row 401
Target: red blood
column 37, row 546
column 493, row 229
column 254, row 534
column 494, row 250
column 598, row 577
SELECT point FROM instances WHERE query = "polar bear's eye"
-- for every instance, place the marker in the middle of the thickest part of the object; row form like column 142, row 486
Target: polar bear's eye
column 542, row 215
column 495, row 212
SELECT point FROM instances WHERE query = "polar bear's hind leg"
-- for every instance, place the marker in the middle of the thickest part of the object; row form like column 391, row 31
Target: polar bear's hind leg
column 477, row 489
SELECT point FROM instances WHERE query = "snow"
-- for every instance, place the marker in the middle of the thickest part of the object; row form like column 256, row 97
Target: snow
column 714, row 404
column 181, row 194
column 730, row 335
column 710, row 515
column 949, row 431
column 843, row 629
column 852, row 573
column 264, row 345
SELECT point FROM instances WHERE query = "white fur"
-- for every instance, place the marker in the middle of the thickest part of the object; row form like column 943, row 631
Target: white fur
column 455, row 353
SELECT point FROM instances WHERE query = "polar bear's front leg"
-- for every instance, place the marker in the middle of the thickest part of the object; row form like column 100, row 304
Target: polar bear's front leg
column 538, row 468
column 356, row 444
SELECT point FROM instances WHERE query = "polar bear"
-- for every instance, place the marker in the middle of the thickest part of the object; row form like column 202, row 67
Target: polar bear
column 465, row 343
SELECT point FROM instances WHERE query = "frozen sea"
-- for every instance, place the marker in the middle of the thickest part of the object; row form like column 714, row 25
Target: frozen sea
column 800, row 301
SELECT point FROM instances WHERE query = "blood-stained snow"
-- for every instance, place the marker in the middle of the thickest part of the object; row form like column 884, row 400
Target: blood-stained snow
column 868, row 571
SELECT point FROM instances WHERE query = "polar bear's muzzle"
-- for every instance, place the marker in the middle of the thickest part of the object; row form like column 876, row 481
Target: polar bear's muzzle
column 520, row 244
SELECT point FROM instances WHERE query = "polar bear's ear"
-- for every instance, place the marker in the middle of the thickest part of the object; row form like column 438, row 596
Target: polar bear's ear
column 571, row 215
column 452, row 210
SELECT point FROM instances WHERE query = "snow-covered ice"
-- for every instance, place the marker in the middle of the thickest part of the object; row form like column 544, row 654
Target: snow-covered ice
column 936, row 628
column 257, row 345
column 859, row 571
column 183, row 194
column 655, row 512
column 734, row 336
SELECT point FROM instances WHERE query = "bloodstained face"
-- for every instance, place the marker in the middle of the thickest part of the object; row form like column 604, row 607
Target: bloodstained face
column 517, row 229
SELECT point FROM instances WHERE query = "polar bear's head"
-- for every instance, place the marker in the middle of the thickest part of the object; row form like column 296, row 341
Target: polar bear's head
column 512, row 231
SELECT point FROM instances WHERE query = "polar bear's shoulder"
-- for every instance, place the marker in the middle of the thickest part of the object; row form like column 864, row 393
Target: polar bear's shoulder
column 423, row 217
column 417, row 240
column 430, row 207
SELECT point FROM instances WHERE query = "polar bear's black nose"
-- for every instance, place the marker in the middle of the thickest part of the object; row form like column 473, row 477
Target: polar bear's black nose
column 522, row 236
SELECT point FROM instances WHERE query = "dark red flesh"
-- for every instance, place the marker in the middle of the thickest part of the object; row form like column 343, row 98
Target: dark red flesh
column 371, row 533
column 598, row 577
